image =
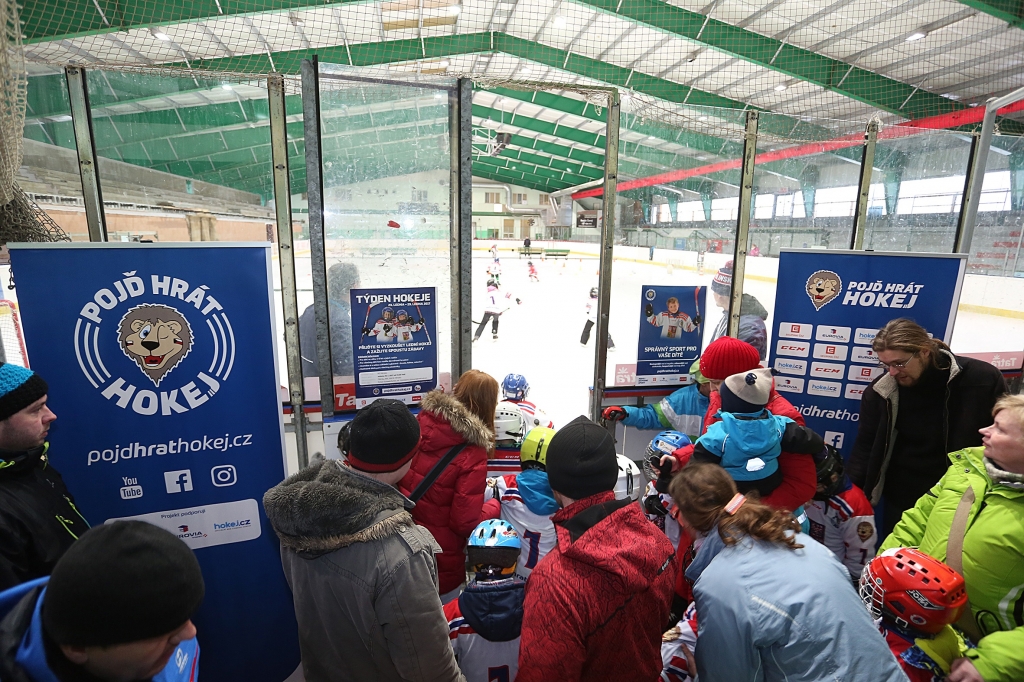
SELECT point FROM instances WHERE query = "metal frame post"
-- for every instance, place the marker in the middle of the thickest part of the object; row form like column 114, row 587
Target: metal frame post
column 965, row 198
column 867, row 163
column 969, row 209
column 286, row 261
column 318, row 255
column 85, row 142
column 739, row 257
column 460, row 130
column 611, row 171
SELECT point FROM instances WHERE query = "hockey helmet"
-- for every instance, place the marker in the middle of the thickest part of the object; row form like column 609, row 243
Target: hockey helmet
column 629, row 482
column 831, row 474
column 534, row 451
column 508, row 422
column 388, row 311
column 912, row 591
column 515, row 387
column 493, row 548
column 491, row 282
column 665, row 443
column 401, row 313
column 530, row 263
column 593, row 292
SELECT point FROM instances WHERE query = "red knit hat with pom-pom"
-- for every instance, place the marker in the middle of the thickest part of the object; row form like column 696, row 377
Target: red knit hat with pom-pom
column 726, row 356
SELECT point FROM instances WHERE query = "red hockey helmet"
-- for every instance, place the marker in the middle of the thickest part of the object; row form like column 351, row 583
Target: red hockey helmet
column 913, row 591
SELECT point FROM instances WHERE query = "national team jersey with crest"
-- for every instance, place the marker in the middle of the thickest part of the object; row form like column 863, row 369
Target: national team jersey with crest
column 536, row 531
column 672, row 325
column 674, row 666
column 480, row 659
column 533, row 416
column 845, row 523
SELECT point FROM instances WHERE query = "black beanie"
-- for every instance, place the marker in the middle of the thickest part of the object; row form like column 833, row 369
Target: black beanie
column 19, row 388
column 581, row 460
column 121, row 582
column 383, row 437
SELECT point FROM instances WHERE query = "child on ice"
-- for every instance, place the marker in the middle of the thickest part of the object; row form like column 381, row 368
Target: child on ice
column 533, row 271
column 485, row 621
column 496, row 304
column 591, row 319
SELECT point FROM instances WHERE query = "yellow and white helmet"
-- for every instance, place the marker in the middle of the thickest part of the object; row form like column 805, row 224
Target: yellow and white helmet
column 535, row 446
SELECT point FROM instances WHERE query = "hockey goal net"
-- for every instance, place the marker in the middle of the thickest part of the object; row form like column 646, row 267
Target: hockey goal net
column 12, row 341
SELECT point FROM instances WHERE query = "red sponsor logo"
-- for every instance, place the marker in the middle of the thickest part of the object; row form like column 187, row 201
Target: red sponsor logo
column 865, row 371
column 830, row 350
column 829, row 370
column 791, row 348
column 794, row 328
column 416, row 398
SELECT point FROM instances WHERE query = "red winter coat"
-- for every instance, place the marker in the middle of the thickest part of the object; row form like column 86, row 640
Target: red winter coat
column 597, row 604
column 451, row 508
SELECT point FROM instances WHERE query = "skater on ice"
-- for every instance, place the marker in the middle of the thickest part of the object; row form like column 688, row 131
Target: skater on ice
column 494, row 271
column 497, row 302
column 592, row 319
column 533, row 271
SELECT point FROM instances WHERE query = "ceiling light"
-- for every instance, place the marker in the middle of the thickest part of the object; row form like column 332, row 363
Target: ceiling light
column 780, row 87
column 702, row 118
column 560, row 21
column 160, row 35
column 226, row 86
column 916, row 35
column 454, row 9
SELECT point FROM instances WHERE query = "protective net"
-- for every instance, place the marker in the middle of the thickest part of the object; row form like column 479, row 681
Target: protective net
column 12, row 342
column 13, row 89
column 21, row 220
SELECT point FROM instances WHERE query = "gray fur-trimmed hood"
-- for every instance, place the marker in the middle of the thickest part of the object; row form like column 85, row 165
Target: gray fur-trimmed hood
column 327, row 506
column 447, row 408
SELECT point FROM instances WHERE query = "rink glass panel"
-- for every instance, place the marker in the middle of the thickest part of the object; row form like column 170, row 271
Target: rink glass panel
column 917, row 184
column 690, row 222
column 387, row 163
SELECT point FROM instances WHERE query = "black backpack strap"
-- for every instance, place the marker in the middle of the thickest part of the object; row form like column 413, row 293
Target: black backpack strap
column 442, row 463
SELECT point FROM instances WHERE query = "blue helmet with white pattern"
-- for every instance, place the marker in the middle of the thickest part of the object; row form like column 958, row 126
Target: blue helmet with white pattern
column 515, row 387
column 494, row 549
column 665, row 443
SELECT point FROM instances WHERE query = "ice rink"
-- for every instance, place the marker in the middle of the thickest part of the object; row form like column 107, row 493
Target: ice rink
column 541, row 337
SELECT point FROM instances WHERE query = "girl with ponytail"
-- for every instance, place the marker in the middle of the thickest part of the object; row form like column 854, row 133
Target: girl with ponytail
column 771, row 603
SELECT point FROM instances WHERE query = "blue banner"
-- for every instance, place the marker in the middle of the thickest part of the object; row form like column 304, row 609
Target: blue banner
column 395, row 351
column 162, row 374
column 670, row 333
column 828, row 307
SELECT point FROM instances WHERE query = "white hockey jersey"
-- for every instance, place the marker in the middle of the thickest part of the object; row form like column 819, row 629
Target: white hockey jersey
column 404, row 332
column 672, row 325
column 497, row 301
column 384, row 331
column 533, row 416
column 480, row 659
column 536, row 531
column 674, row 666
column 845, row 523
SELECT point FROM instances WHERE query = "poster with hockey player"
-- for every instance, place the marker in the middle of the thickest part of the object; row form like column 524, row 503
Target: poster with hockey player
column 395, row 355
column 670, row 333
column 828, row 307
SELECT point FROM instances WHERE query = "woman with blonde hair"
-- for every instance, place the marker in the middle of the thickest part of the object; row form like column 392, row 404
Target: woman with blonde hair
column 973, row 520
column 771, row 602
column 453, row 505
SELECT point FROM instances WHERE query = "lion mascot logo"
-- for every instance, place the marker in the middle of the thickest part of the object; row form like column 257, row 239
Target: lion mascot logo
column 156, row 337
column 822, row 287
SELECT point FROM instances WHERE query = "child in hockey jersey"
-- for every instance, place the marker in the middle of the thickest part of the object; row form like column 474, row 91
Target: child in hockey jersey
column 657, row 503
column 533, row 271
column 677, row 645
column 915, row 600
column 840, row 515
column 497, row 303
column 526, row 500
column 672, row 322
column 514, row 389
column 592, row 319
column 748, row 440
column 485, row 621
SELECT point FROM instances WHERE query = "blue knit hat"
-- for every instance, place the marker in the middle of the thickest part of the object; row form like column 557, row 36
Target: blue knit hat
column 19, row 388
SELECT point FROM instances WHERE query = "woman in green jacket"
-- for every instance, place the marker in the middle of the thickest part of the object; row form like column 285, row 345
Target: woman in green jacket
column 973, row 519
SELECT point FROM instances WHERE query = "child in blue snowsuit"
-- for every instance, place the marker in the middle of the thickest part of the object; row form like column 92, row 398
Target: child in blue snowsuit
column 748, row 440
column 681, row 411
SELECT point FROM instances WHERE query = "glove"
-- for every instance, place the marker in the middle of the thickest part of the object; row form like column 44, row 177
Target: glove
column 367, row 330
column 614, row 413
column 423, row 320
column 518, row 302
column 654, row 506
column 648, row 310
column 665, row 470
column 696, row 319
column 387, row 329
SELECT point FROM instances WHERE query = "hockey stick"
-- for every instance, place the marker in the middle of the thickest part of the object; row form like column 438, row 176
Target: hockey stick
column 696, row 303
column 425, row 330
column 366, row 321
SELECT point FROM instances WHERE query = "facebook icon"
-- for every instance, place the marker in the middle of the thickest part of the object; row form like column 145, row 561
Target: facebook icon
column 178, row 481
column 835, row 439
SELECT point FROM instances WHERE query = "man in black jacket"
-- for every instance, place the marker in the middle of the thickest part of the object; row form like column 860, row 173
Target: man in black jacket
column 928, row 403
column 38, row 517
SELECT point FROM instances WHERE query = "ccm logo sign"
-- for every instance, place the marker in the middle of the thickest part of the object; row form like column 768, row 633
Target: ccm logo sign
column 797, row 349
column 827, row 370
